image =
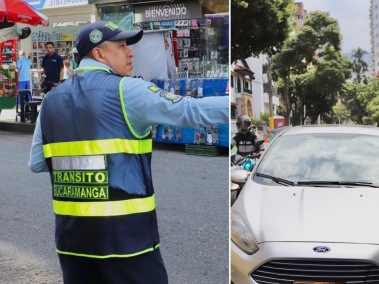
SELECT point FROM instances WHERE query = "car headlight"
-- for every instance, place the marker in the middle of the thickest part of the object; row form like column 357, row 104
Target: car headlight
column 241, row 235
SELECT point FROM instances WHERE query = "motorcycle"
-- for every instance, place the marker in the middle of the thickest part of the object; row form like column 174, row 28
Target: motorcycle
column 241, row 168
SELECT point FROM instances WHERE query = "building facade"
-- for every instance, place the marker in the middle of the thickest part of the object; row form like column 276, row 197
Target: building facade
column 249, row 88
column 240, row 89
column 260, row 86
column 374, row 26
column 300, row 16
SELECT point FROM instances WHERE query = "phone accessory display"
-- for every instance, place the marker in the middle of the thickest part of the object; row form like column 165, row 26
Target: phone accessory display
column 179, row 133
column 202, row 136
column 200, row 88
column 196, row 139
column 154, row 132
column 177, row 87
column 188, row 87
column 165, row 133
column 209, row 140
column 215, row 135
column 170, row 133
column 194, row 88
column 166, row 85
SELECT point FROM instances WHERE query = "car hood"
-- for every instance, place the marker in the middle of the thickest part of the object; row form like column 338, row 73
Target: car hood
column 312, row 214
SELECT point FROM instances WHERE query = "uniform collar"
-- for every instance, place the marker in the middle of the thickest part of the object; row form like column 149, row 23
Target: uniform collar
column 93, row 63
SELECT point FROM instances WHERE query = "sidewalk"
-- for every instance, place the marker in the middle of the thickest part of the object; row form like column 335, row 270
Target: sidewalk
column 8, row 122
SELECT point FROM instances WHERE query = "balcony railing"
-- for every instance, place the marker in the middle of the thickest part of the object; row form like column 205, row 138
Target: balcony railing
column 245, row 90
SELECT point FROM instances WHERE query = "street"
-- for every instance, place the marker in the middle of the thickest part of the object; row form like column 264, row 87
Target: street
column 192, row 202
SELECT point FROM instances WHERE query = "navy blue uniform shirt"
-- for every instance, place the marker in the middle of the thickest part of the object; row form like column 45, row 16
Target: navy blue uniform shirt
column 53, row 65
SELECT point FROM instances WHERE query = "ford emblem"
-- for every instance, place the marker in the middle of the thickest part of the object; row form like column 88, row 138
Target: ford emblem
column 321, row 249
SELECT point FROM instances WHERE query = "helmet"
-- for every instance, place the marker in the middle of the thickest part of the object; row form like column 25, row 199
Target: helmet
column 243, row 123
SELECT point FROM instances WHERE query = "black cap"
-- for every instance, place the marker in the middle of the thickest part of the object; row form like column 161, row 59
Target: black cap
column 96, row 33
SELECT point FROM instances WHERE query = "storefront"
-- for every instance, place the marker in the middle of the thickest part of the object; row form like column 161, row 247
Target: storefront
column 185, row 50
column 200, row 30
column 66, row 18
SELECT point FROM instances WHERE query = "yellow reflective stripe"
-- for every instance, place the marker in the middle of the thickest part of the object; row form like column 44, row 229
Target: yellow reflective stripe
column 93, row 68
column 106, row 208
column 110, row 255
column 97, row 147
column 126, row 116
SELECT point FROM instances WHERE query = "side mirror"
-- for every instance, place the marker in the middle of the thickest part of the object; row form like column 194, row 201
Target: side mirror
column 239, row 176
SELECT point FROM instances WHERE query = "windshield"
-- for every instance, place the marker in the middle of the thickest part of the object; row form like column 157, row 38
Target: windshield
column 322, row 157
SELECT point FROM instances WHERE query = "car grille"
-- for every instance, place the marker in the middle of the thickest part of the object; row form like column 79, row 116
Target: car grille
column 289, row 271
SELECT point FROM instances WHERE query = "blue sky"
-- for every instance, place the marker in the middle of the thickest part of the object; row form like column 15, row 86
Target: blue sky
column 353, row 17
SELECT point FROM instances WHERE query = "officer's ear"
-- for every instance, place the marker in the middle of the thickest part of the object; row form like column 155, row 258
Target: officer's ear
column 98, row 54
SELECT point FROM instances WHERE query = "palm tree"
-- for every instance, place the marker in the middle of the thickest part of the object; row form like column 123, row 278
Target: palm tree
column 359, row 65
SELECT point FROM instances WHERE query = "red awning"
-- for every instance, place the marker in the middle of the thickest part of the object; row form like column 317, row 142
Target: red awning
column 18, row 11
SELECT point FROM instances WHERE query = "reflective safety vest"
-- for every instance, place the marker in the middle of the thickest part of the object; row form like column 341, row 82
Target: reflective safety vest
column 103, row 195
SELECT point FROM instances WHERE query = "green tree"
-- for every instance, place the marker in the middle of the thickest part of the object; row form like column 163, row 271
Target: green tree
column 359, row 65
column 330, row 75
column 281, row 110
column 265, row 116
column 260, row 25
column 359, row 99
column 341, row 112
column 320, row 32
column 317, row 88
column 373, row 108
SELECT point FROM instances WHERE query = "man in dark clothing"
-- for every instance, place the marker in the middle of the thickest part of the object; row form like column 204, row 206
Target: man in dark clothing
column 246, row 139
column 52, row 65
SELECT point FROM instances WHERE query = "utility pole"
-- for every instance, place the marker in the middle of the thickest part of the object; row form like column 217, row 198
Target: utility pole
column 269, row 91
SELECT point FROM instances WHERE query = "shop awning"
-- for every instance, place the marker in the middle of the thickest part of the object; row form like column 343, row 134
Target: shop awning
column 234, row 104
column 17, row 11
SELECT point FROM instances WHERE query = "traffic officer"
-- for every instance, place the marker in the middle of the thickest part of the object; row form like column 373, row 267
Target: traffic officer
column 93, row 136
column 245, row 140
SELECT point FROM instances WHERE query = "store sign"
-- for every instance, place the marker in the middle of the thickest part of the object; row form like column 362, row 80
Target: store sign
column 166, row 12
column 46, row 4
column 218, row 6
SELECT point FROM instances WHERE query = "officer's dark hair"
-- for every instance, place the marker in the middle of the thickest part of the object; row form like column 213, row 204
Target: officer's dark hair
column 90, row 55
column 51, row 43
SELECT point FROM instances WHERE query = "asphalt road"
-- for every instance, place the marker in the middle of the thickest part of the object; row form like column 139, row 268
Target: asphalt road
column 192, row 200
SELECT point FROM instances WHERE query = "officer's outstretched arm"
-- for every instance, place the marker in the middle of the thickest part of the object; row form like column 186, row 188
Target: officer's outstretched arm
column 148, row 105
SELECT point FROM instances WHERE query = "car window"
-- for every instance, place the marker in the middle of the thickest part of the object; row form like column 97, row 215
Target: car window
column 322, row 157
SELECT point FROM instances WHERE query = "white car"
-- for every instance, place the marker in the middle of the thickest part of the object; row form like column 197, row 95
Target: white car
column 309, row 212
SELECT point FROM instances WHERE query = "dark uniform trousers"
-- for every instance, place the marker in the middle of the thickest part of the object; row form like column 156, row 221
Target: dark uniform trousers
column 147, row 268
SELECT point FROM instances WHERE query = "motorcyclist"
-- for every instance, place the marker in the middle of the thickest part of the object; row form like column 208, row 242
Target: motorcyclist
column 246, row 138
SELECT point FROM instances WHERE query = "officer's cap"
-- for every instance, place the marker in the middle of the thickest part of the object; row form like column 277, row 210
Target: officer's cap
column 96, row 33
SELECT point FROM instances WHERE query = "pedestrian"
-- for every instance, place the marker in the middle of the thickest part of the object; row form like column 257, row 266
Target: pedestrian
column 52, row 65
column 23, row 70
column 93, row 136
column 70, row 64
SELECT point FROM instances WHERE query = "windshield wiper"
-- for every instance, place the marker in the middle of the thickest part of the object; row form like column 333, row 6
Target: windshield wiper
column 322, row 182
column 276, row 179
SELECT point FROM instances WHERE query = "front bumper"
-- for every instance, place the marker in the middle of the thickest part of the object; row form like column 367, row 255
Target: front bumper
column 242, row 264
